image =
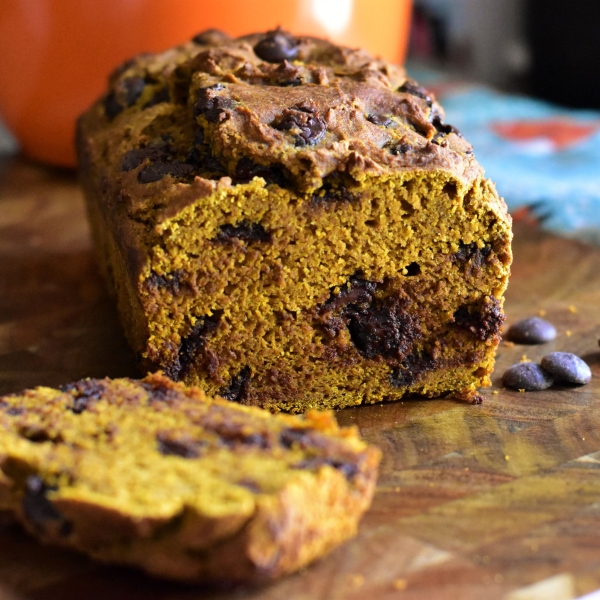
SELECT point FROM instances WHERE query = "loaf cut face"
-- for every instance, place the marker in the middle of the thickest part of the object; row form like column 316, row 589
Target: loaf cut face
column 292, row 224
column 155, row 475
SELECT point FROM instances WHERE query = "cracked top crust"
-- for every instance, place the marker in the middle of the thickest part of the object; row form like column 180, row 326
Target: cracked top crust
column 216, row 112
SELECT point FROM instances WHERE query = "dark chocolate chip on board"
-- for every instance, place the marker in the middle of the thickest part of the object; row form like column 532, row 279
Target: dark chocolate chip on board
column 277, row 46
column 567, row 368
column 529, row 377
column 533, row 330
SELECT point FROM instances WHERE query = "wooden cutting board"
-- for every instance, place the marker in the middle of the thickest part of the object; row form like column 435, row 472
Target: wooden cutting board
column 500, row 500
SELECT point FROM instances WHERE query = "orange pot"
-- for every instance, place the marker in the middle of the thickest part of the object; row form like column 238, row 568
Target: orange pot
column 55, row 54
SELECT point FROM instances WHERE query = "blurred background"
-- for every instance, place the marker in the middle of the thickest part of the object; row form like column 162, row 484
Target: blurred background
column 519, row 78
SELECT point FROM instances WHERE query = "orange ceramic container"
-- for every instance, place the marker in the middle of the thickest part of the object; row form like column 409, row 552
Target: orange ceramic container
column 55, row 54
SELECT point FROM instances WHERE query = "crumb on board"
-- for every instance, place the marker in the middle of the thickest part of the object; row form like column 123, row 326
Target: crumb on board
column 356, row 579
column 524, row 359
column 521, row 390
column 399, row 584
column 542, row 312
column 568, row 333
column 572, row 309
column 508, row 343
column 506, row 457
column 495, row 392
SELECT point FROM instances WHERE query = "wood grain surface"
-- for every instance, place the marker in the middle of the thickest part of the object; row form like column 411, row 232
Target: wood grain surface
column 500, row 500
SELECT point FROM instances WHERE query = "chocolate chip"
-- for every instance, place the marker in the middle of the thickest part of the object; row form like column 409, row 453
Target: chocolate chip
column 330, row 194
column 289, row 82
column 246, row 231
column 39, row 511
column 234, row 434
column 161, row 95
column 246, row 170
column 303, row 122
column 444, row 128
column 483, row 319
column 171, row 282
column 16, row 411
column 159, row 391
column 291, row 436
column 201, row 157
column 412, row 369
column 277, row 46
column 112, row 107
column 250, row 485
column 134, row 158
column 193, row 343
column 134, row 86
column 531, row 331
column 530, row 377
column 567, row 368
column 398, row 149
column 237, row 390
column 183, row 447
column 385, row 329
column 199, row 137
column 380, row 120
column 85, row 393
column 37, row 434
column 472, row 254
column 211, row 37
column 159, row 169
column 412, row 88
column 349, row 470
column 210, row 105
column 357, row 292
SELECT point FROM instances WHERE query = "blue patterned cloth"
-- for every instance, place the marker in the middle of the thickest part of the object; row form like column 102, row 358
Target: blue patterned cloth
column 543, row 158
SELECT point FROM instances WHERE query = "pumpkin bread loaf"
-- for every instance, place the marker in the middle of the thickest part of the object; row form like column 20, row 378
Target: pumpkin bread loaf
column 153, row 474
column 291, row 224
